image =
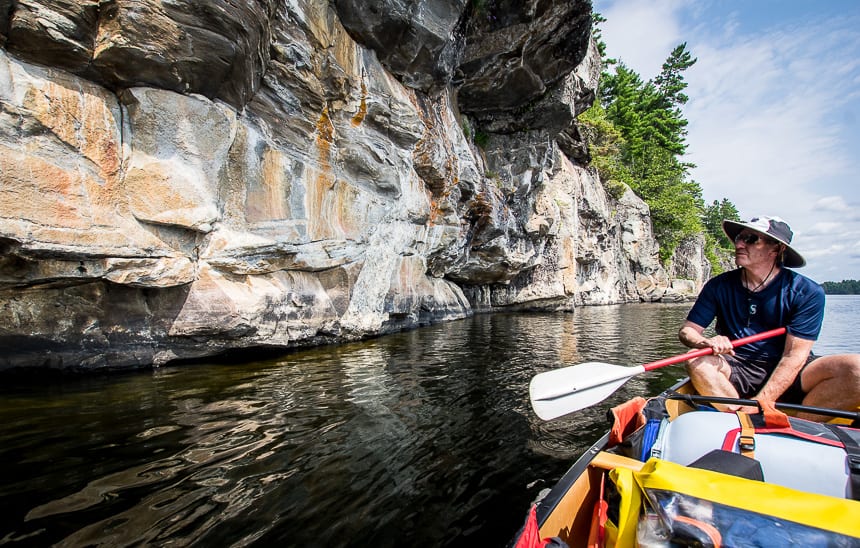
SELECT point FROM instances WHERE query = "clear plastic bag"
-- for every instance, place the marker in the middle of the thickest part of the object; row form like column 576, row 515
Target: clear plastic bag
column 690, row 521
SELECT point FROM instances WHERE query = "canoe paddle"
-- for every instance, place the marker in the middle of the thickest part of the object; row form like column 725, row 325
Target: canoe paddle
column 562, row 391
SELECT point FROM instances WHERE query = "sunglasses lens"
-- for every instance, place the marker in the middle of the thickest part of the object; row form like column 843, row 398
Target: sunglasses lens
column 748, row 239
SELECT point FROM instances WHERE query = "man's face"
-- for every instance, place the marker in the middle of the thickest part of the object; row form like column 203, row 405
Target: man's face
column 754, row 249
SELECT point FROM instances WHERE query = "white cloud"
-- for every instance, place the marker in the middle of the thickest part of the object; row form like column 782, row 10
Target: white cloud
column 758, row 116
column 641, row 32
column 773, row 114
column 833, row 203
column 823, row 228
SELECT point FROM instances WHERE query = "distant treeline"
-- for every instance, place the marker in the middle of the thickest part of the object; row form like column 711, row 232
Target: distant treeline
column 845, row 287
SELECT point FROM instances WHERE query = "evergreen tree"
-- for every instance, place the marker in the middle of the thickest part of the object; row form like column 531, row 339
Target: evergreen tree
column 712, row 219
column 648, row 117
column 637, row 136
column 670, row 82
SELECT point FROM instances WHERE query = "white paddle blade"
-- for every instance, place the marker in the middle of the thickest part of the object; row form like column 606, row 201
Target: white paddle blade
column 562, row 391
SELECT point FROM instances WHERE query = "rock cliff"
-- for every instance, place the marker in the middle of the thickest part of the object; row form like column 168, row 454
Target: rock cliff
column 182, row 178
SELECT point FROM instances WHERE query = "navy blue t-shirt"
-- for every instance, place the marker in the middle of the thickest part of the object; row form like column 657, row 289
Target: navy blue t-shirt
column 791, row 300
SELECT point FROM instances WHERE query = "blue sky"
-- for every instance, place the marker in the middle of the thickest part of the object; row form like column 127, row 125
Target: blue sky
column 774, row 108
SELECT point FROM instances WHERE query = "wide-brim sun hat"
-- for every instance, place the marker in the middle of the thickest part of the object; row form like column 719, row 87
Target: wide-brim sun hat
column 772, row 227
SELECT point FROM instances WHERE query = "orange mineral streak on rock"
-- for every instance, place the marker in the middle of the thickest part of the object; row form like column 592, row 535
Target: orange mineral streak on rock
column 438, row 204
column 267, row 200
column 101, row 144
column 322, row 183
column 325, row 137
column 82, row 120
column 42, row 193
column 362, row 107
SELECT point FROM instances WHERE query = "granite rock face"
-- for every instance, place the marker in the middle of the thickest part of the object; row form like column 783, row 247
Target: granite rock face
column 689, row 268
column 182, row 178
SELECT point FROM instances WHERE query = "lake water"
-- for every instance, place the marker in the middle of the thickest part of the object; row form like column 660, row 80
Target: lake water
column 424, row 438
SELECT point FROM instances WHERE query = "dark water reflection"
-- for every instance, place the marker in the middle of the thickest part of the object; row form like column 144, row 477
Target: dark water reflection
column 423, row 438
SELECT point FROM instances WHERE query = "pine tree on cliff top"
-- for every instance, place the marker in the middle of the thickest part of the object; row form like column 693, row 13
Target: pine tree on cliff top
column 637, row 137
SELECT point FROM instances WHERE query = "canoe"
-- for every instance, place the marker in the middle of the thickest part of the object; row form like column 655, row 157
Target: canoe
column 674, row 471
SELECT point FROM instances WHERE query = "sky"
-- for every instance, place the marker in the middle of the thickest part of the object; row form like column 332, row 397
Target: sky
column 774, row 109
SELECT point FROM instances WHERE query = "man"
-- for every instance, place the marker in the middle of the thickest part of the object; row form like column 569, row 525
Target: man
column 760, row 295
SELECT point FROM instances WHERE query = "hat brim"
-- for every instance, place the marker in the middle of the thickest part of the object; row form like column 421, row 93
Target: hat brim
column 791, row 258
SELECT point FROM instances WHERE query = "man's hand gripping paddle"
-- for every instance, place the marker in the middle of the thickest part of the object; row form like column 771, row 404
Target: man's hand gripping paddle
column 562, row 391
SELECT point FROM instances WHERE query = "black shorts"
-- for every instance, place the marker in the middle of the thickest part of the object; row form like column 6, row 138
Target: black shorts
column 748, row 376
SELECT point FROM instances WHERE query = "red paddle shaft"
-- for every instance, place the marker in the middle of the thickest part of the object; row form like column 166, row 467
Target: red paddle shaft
column 705, row 351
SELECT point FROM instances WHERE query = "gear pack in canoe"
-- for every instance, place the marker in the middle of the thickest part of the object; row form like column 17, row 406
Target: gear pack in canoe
column 673, row 472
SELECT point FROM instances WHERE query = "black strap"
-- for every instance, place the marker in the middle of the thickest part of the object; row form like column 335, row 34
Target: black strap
column 694, row 399
column 853, row 450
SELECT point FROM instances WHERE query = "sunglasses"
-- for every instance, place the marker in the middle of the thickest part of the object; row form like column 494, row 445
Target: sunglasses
column 749, row 239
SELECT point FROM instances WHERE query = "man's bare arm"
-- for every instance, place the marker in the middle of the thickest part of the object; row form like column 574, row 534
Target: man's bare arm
column 691, row 335
column 793, row 358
